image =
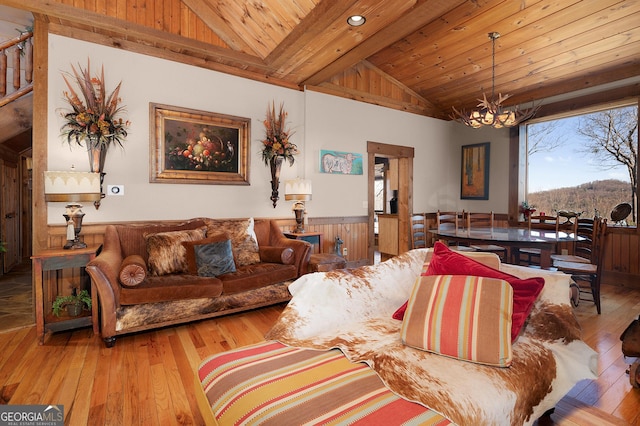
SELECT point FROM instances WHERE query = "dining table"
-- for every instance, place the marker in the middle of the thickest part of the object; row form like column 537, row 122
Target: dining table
column 510, row 238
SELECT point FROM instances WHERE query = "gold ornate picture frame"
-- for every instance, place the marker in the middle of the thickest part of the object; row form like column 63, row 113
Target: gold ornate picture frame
column 192, row 146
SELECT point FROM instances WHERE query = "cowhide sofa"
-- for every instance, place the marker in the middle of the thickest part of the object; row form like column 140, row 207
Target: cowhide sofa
column 155, row 274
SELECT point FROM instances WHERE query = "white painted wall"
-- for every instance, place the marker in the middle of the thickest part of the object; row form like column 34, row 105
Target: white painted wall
column 320, row 122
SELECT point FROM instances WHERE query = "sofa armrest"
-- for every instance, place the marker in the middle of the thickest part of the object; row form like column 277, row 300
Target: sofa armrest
column 104, row 271
column 284, row 255
column 301, row 252
column 301, row 249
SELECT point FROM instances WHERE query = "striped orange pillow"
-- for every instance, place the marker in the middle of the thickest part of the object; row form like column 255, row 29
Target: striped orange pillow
column 464, row 317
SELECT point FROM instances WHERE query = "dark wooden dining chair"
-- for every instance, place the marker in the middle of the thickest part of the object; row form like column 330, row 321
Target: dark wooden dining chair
column 418, row 231
column 483, row 220
column 583, row 251
column 590, row 273
column 530, row 255
column 447, row 221
column 450, row 221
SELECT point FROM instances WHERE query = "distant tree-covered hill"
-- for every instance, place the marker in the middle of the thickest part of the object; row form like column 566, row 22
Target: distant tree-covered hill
column 599, row 196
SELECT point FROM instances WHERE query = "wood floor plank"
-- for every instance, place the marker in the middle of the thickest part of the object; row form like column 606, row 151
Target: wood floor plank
column 30, row 386
column 115, row 388
column 98, row 404
column 62, row 386
column 146, row 398
column 131, row 389
column 188, row 363
column 17, row 356
column 78, row 413
column 183, row 373
column 160, row 380
column 10, row 341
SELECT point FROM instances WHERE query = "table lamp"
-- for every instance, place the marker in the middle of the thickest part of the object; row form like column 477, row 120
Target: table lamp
column 72, row 187
column 298, row 190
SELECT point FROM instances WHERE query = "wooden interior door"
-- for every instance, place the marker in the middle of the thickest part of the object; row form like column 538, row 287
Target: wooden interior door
column 9, row 217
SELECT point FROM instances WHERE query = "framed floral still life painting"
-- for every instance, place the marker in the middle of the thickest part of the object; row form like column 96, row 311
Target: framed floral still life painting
column 475, row 172
column 191, row 146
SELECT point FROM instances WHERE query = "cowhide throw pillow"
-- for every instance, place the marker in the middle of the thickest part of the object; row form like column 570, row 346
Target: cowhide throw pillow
column 243, row 239
column 463, row 317
column 167, row 255
column 133, row 271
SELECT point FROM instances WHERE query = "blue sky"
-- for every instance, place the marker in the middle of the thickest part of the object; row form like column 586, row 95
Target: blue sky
column 567, row 165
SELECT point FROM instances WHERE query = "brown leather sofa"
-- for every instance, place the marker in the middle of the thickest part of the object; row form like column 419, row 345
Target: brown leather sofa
column 176, row 298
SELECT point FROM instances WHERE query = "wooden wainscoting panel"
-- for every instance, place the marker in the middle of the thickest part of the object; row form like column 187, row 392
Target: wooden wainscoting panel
column 352, row 230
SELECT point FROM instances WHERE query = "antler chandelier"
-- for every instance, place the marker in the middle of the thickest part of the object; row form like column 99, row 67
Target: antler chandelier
column 491, row 112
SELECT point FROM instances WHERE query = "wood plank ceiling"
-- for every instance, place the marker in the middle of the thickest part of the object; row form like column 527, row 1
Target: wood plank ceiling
column 423, row 56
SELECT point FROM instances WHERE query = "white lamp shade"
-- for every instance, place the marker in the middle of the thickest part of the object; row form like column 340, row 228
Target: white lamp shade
column 297, row 190
column 71, row 186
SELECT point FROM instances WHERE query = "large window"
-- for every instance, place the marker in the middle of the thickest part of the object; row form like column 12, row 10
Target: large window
column 585, row 163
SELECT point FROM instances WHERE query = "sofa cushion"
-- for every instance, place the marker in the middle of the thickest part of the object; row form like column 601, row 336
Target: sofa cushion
column 133, row 271
column 243, row 239
column 167, row 255
column 171, row 287
column 190, row 253
column 258, row 275
column 131, row 235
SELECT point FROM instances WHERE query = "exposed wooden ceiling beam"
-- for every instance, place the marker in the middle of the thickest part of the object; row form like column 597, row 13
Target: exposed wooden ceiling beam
column 315, row 23
column 185, row 54
column 414, row 19
column 132, row 31
column 205, row 11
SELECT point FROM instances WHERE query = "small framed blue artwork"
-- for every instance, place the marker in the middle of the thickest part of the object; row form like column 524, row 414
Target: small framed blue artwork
column 340, row 163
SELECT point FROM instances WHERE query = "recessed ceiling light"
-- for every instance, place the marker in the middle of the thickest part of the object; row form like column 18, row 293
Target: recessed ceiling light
column 356, row 20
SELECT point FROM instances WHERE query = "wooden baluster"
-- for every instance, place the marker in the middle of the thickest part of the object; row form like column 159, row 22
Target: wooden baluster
column 3, row 73
column 16, row 68
column 28, row 53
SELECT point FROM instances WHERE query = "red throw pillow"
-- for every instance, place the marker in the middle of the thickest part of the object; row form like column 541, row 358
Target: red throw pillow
column 448, row 262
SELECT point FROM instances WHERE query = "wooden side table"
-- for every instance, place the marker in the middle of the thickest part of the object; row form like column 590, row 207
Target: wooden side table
column 56, row 260
column 315, row 238
column 323, row 262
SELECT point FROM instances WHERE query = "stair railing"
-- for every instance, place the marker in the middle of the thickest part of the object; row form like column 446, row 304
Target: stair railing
column 20, row 49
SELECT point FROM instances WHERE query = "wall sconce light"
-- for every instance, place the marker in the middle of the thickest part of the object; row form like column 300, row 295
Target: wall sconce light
column 298, row 190
column 72, row 187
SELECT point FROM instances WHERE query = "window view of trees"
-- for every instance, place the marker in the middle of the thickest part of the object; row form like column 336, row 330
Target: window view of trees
column 585, row 164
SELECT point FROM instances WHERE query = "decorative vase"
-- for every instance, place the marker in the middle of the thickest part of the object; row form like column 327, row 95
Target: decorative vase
column 276, row 164
column 97, row 155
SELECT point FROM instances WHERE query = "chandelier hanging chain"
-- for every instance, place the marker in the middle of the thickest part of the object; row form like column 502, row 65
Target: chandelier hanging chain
column 493, row 36
column 491, row 112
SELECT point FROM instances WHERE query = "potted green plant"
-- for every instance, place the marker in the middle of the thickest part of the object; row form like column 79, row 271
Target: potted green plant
column 74, row 303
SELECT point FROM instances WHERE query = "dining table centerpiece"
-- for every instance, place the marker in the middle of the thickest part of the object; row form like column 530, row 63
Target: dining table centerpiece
column 95, row 118
column 527, row 209
column 277, row 146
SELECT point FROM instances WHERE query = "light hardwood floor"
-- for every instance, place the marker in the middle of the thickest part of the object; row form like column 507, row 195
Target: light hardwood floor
column 148, row 378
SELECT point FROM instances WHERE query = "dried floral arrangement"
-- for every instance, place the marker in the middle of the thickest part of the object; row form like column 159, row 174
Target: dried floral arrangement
column 276, row 141
column 94, row 116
